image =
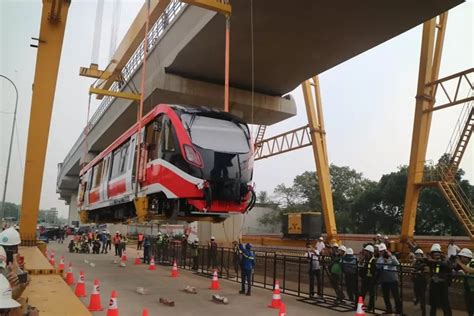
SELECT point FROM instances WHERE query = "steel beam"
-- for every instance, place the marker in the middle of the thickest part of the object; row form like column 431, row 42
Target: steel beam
column 122, row 95
column 53, row 24
column 282, row 143
column 430, row 58
column 314, row 112
column 222, row 7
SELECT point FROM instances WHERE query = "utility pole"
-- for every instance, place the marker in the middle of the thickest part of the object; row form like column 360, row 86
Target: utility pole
column 2, row 211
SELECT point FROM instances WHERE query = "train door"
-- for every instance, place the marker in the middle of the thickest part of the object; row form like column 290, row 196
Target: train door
column 87, row 185
column 105, row 177
column 131, row 167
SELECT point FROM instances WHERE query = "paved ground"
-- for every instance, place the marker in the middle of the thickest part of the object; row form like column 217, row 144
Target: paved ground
column 160, row 284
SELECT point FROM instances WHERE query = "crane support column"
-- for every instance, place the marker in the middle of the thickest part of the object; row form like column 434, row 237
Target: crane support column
column 50, row 42
column 430, row 58
column 314, row 111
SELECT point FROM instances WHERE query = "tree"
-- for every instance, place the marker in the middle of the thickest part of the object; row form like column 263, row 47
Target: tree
column 262, row 197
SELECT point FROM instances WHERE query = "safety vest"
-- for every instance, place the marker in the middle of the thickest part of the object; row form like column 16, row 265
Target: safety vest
column 369, row 267
column 469, row 278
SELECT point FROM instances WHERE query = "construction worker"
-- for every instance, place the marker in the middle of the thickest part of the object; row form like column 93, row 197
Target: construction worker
column 440, row 280
column 248, row 263
column 367, row 275
column 165, row 247
column 116, row 240
column 104, row 237
column 336, row 271
column 7, row 303
column 9, row 265
column 314, row 269
column 195, row 253
column 387, row 266
column 123, row 244
column 420, row 269
column 466, row 262
column 146, row 250
column 349, row 267
column 320, row 244
column 159, row 247
column 140, row 241
column 212, row 253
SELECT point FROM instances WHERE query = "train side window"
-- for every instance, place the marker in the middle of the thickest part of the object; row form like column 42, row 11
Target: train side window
column 97, row 174
column 123, row 158
column 168, row 139
column 152, row 137
column 115, row 164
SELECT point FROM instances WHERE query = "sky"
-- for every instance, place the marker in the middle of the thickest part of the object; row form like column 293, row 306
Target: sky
column 368, row 101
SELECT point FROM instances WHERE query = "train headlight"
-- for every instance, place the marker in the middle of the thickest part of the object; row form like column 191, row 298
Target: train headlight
column 192, row 156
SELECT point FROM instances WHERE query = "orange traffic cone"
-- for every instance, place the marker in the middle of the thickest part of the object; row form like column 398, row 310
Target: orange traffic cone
column 80, row 287
column 145, row 312
column 61, row 263
column 94, row 303
column 276, row 297
column 137, row 259
column 69, row 276
column 152, row 266
column 215, row 282
column 360, row 307
column 282, row 311
column 52, row 261
column 113, row 308
column 174, row 270
column 124, row 255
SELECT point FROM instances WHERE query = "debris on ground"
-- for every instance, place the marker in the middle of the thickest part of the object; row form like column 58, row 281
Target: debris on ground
column 220, row 299
column 167, row 302
column 190, row 289
column 141, row 290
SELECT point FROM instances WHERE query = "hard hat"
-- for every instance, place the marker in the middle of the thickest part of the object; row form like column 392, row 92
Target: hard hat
column 212, row 238
column 369, row 248
column 10, row 237
column 349, row 251
column 378, row 235
column 419, row 251
column 6, row 300
column 196, row 240
column 321, row 238
column 465, row 253
column 335, row 244
column 342, row 248
column 382, row 247
column 117, row 232
column 3, row 258
column 435, row 248
column 385, row 237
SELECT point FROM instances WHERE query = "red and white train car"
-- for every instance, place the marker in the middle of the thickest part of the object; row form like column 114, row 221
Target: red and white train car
column 195, row 163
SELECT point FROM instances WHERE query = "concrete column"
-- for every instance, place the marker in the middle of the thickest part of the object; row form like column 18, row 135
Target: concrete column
column 73, row 211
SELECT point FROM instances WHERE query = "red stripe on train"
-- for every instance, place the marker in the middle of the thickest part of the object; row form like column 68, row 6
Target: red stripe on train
column 116, row 188
column 179, row 186
column 94, row 196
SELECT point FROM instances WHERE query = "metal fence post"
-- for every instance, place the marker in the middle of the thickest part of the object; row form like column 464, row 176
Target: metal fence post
column 284, row 273
column 299, row 275
column 265, row 271
column 274, row 268
column 222, row 260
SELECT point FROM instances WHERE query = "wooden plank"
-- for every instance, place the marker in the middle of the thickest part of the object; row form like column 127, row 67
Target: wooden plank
column 51, row 295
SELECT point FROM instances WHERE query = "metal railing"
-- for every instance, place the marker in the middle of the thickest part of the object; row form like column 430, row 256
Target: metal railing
column 157, row 31
column 464, row 116
column 291, row 270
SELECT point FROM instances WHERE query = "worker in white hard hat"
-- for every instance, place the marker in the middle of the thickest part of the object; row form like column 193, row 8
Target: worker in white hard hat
column 10, row 240
column 314, row 271
column 320, row 244
column 212, row 262
column 349, row 267
column 440, row 280
column 368, row 277
column 465, row 261
column 7, row 303
column 387, row 267
column 419, row 277
column 17, row 278
column 336, row 270
column 195, row 253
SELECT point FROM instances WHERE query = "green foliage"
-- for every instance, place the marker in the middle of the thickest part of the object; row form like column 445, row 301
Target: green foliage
column 365, row 206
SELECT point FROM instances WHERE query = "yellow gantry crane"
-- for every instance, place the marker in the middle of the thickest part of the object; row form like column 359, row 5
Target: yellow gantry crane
column 50, row 42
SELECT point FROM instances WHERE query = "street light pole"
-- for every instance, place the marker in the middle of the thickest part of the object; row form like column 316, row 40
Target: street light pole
column 2, row 211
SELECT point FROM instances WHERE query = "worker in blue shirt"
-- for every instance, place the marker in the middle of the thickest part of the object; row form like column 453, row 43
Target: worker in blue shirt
column 247, row 264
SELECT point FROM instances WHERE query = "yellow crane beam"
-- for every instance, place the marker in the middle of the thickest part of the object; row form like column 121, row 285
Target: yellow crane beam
column 53, row 24
column 430, row 59
column 314, row 111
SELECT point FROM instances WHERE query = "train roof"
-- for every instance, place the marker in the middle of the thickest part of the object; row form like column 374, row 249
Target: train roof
column 207, row 111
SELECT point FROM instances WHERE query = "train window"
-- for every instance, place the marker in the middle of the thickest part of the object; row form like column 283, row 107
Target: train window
column 97, row 174
column 123, row 158
column 119, row 160
column 168, row 140
column 115, row 164
column 152, row 136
